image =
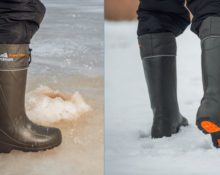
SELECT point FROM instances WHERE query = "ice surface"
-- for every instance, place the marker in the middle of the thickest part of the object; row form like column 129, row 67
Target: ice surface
column 45, row 105
column 128, row 119
column 71, row 38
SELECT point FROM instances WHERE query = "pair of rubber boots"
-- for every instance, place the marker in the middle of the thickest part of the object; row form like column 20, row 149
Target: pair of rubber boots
column 158, row 52
column 16, row 130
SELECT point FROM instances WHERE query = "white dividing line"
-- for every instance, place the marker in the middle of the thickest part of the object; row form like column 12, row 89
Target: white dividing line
column 159, row 56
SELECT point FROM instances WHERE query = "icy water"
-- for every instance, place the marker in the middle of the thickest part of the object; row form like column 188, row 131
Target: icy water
column 129, row 148
column 65, row 90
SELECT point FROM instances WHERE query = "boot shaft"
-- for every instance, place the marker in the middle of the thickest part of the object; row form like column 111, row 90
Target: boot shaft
column 209, row 109
column 158, row 53
column 210, row 44
column 14, row 61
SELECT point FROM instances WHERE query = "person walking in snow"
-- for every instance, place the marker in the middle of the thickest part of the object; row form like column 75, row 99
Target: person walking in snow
column 19, row 20
column 160, row 22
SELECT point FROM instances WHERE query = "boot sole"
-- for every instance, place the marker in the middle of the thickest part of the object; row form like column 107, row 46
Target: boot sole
column 7, row 148
column 209, row 127
column 7, row 144
column 184, row 123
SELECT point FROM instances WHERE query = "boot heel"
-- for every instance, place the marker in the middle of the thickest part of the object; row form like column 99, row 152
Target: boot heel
column 216, row 139
column 208, row 127
column 5, row 148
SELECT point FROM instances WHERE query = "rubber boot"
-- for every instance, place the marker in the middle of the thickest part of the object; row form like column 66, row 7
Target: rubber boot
column 17, row 132
column 158, row 53
column 208, row 115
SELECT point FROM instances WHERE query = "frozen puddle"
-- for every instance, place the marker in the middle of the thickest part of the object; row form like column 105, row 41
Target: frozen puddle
column 47, row 105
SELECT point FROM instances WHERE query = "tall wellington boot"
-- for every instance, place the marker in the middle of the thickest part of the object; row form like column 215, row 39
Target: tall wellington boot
column 17, row 132
column 158, row 53
column 208, row 116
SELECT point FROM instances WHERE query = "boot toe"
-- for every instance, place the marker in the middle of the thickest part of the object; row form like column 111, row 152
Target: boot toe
column 44, row 137
column 54, row 137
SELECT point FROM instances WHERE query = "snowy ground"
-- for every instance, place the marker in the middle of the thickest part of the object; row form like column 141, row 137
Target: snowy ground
column 67, row 58
column 128, row 146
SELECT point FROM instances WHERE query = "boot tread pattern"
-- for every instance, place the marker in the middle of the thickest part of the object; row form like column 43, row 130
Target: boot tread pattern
column 209, row 127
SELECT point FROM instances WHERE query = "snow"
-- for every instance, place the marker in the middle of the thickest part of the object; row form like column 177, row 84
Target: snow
column 128, row 146
column 45, row 105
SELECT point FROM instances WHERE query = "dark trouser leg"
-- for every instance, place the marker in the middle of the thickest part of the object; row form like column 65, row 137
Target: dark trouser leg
column 159, row 23
column 201, row 9
column 19, row 20
column 156, row 16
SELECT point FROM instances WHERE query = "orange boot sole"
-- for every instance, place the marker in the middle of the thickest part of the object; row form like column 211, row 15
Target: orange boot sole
column 209, row 127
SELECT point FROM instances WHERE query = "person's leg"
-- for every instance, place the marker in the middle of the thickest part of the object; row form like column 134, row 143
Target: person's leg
column 202, row 10
column 156, row 16
column 19, row 20
column 159, row 23
column 206, row 25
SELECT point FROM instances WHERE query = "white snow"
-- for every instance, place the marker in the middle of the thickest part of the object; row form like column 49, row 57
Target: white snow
column 45, row 105
column 129, row 148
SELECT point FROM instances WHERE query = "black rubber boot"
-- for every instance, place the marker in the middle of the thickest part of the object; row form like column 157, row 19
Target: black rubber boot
column 208, row 116
column 16, row 130
column 158, row 53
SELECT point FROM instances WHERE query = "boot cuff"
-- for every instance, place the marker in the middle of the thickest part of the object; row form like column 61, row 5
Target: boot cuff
column 210, row 27
column 157, row 44
column 14, row 56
